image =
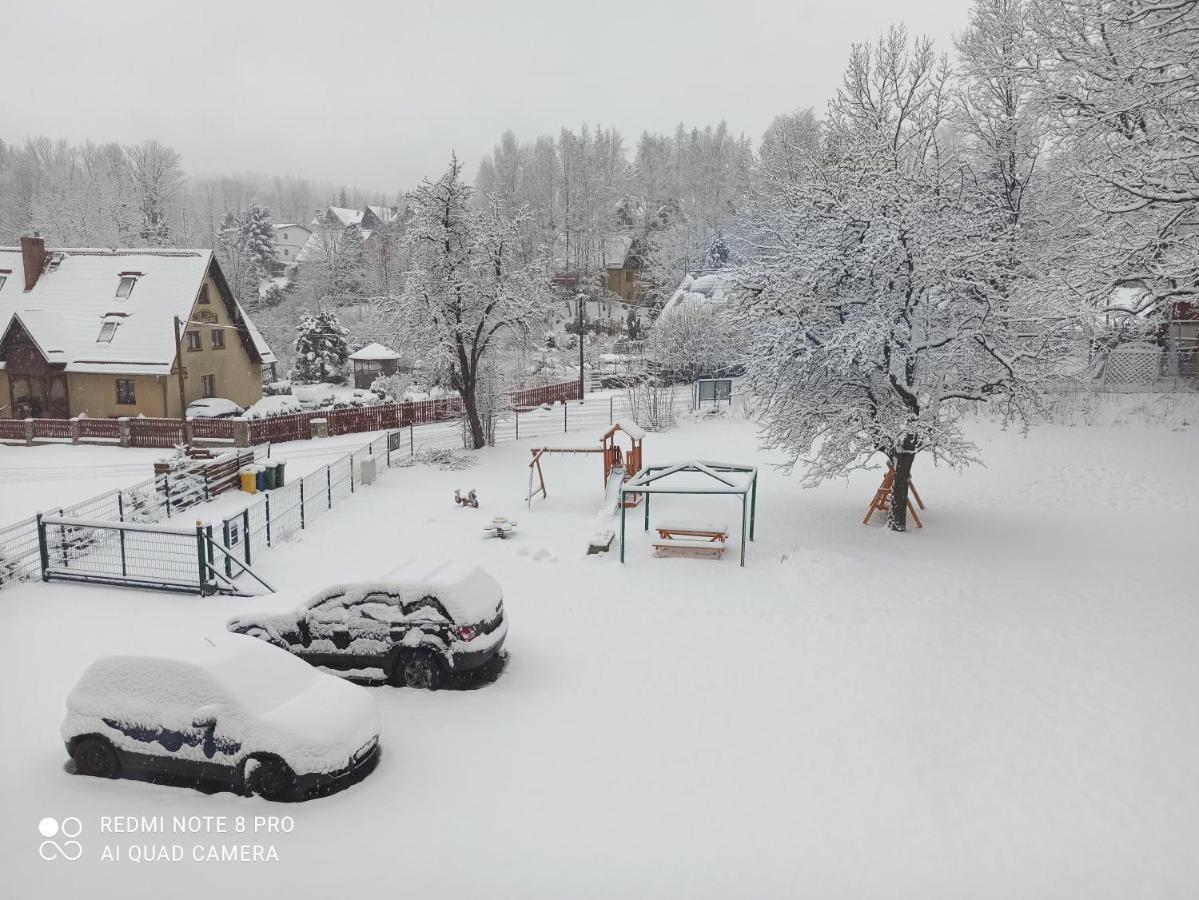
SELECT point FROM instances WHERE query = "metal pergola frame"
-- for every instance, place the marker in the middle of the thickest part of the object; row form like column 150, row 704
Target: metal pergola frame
column 646, row 483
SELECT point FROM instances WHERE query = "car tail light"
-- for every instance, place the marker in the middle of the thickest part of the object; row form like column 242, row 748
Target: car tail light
column 467, row 632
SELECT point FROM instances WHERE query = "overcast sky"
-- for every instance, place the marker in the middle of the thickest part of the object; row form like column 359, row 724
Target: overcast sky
column 377, row 94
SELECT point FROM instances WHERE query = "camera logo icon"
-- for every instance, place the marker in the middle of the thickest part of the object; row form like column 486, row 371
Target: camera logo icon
column 68, row 849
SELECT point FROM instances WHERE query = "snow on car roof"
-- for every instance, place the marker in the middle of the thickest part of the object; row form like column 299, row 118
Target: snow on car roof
column 465, row 590
column 198, row 671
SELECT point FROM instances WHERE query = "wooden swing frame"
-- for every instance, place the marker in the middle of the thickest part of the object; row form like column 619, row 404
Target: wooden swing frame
column 882, row 498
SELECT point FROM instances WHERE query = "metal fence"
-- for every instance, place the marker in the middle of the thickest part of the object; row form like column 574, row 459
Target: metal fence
column 239, row 540
column 158, row 499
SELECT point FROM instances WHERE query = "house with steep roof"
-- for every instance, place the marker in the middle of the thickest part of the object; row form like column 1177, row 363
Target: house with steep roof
column 92, row 332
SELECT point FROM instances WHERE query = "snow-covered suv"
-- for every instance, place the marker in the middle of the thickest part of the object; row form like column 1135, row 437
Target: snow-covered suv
column 414, row 628
column 227, row 711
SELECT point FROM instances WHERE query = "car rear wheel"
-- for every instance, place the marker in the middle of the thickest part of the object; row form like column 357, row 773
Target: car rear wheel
column 96, row 756
column 271, row 779
column 420, row 669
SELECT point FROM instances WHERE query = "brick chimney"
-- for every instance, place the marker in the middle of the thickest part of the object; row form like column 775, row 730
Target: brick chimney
column 33, row 258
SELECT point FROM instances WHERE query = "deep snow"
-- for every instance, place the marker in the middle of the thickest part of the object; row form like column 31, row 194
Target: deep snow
column 1005, row 704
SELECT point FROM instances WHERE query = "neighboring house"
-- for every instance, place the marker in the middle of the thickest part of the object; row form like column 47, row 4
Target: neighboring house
column 616, row 260
column 329, row 224
column 289, row 241
column 373, row 361
column 622, row 272
column 91, row 332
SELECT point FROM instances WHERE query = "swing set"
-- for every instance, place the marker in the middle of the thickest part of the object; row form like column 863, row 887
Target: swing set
column 618, row 462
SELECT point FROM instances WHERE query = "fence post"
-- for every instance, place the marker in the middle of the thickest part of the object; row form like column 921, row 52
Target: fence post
column 29, row 432
column 43, row 550
column 611, row 412
column 209, row 548
column 268, row 520
column 245, row 533
column 565, row 407
column 329, row 485
column 411, row 446
column 302, row 526
column 201, row 558
column 518, row 423
column 166, row 491
column 225, row 538
column 351, row 473
column 121, row 516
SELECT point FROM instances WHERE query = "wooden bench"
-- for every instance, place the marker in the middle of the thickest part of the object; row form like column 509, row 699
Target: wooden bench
column 711, row 548
column 708, row 532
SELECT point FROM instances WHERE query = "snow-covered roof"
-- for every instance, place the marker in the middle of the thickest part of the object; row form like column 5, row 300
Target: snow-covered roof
column 615, row 250
column 74, row 304
column 712, row 287
column 343, row 215
column 384, row 214
column 292, row 225
column 372, row 352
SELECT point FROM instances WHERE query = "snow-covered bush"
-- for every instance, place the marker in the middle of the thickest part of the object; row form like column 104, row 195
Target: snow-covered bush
column 391, row 388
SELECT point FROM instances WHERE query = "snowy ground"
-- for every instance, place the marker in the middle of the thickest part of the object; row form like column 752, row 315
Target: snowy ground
column 1005, row 704
column 35, row 479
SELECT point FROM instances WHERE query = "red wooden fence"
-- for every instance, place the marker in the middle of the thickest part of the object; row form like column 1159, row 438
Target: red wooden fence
column 146, row 432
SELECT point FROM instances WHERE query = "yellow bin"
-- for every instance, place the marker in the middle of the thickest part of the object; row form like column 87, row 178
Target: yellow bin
column 247, row 482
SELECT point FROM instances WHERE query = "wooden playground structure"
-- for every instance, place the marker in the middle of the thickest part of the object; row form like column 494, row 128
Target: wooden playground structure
column 624, row 463
column 882, row 498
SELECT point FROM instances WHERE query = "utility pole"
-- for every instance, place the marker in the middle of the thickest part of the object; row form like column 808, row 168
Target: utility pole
column 182, row 394
column 580, row 299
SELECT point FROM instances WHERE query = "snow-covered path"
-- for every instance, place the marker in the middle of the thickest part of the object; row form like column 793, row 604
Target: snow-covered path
column 1005, row 704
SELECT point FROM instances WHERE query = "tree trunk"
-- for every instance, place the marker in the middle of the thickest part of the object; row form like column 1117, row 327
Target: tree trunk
column 897, row 515
column 472, row 414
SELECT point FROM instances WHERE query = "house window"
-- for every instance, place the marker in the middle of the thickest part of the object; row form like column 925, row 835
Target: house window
column 286, row 252
column 125, row 286
column 107, row 330
column 193, row 340
column 285, row 235
column 203, row 298
column 208, row 385
column 218, row 339
column 125, row 392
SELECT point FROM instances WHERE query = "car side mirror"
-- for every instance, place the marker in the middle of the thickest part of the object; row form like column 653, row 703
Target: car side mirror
column 205, row 717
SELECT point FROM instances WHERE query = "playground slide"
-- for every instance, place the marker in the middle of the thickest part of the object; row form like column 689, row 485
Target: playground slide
column 612, row 491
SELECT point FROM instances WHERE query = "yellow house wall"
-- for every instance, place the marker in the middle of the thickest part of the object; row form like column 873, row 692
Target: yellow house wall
column 237, row 377
column 96, row 395
column 5, row 412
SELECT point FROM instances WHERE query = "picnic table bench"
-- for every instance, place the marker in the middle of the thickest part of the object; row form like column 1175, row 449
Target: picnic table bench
column 708, row 531
column 710, row 548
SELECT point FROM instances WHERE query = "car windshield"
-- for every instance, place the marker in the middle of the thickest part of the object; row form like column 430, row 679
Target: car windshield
column 258, row 681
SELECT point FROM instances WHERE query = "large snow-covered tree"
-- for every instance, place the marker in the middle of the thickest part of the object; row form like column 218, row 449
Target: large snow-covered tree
column 321, row 352
column 879, row 285
column 468, row 284
column 1122, row 81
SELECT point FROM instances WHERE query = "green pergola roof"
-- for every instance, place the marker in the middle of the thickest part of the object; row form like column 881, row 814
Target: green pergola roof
column 727, row 479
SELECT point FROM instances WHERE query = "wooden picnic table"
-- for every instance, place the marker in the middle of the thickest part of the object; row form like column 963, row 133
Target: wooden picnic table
column 708, row 532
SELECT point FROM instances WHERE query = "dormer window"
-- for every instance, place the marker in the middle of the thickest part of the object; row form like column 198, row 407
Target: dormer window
column 203, row 298
column 125, row 286
column 4, row 273
column 107, row 330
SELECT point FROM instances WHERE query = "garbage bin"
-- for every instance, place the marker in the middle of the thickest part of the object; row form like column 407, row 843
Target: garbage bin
column 248, row 480
column 268, row 480
column 279, row 466
column 260, row 477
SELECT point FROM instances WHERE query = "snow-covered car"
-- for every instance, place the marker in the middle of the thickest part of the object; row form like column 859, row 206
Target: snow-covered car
column 416, row 627
column 213, row 408
column 226, row 711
